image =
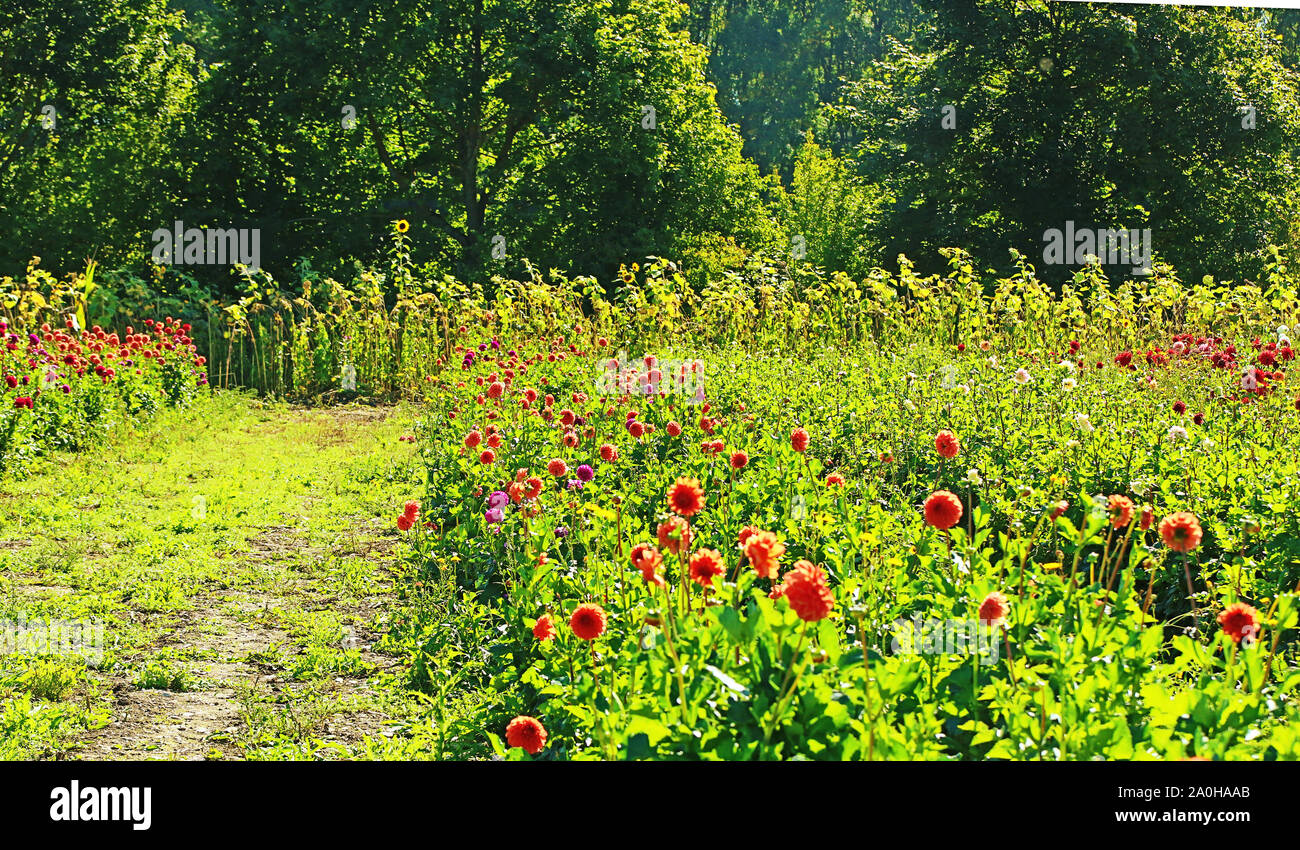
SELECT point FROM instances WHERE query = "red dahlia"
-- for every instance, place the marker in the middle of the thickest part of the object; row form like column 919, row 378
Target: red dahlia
column 1240, row 622
column 588, row 621
column 806, row 589
column 947, row 444
column 994, row 609
column 799, row 440
column 545, row 628
column 943, row 509
column 527, row 733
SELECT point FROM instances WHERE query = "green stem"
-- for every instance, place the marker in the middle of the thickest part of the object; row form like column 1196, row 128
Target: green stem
column 791, row 679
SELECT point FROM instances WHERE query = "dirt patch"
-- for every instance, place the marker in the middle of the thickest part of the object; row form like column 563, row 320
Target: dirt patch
column 358, row 413
column 38, row 590
column 234, row 649
column 343, row 422
column 151, row 724
column 270, row 651
column 276, row 543
column 375, row 538
column 205, row 720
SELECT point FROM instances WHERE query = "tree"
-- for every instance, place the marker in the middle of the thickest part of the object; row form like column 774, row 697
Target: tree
column 92, row 96
column 474, row 119
column 776, row 63
column 833, row 212
column 1108, row 116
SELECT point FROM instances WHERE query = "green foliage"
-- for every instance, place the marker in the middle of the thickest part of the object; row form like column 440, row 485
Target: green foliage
column 834, row 212
column 65, row 385
column 224, row 548
column 473, row 120
column 1111, row 648
column 513, row 134
column 1108, row 116
column 164, row 675
column 776, row 64
column 91, row 177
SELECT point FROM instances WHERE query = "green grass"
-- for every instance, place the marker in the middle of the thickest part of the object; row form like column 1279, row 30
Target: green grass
column 239, row 556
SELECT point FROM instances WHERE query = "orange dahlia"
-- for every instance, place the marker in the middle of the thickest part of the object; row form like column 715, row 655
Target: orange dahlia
column 942, row 509
column 675, row 535
column 1181, row 531
column 806, row 589
column 1120, row 509
column 705, row 564
column 686, row 497
column 647, row 559
column 527, row 733
column 764, row 551
column 947, row 444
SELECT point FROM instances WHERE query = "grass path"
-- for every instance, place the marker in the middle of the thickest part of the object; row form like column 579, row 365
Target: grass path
column 240, row 557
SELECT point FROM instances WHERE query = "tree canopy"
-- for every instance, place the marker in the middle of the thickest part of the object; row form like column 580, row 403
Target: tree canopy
column 584, row 135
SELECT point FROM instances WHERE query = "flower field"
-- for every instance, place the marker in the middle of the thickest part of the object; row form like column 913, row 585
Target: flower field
column 1024, row 541
column 85, row 379
column 907, row 520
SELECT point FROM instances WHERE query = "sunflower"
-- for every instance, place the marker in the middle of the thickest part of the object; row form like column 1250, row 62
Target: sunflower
column 402, row 225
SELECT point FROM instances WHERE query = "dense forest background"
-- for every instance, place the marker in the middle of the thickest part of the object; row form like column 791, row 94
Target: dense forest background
column 591, row 133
